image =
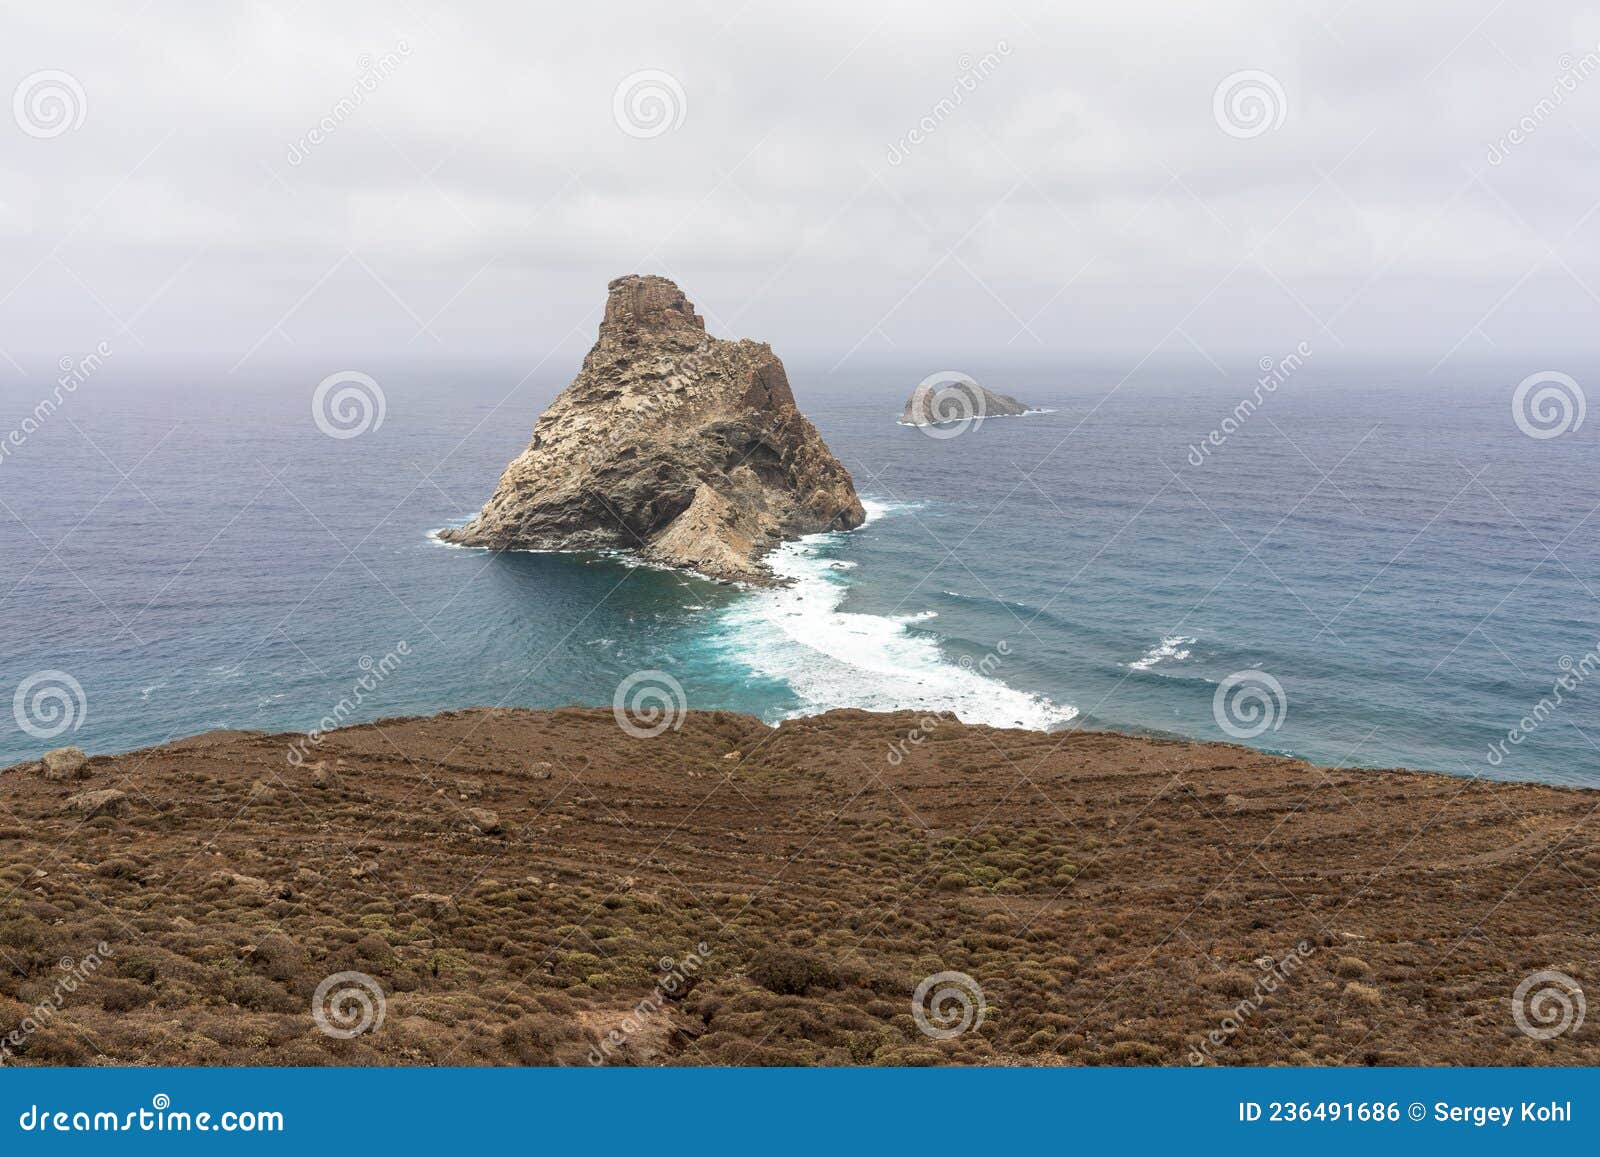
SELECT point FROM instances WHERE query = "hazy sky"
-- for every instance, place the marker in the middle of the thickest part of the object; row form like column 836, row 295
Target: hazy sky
column 1084, row 193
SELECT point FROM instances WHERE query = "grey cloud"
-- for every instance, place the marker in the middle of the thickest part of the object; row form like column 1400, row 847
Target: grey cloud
column 1076, row 200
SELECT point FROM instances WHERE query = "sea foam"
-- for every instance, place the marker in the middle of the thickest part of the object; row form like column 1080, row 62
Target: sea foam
column 1174, row 647
column 831, row 658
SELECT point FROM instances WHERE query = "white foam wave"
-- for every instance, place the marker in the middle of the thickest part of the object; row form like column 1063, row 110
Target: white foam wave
column 453, row 524
column 1174, row 647
column 798, row 635
column 987, row 598
column 875, row 509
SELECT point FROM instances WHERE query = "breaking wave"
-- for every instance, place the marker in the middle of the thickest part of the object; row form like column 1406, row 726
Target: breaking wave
column 797, row 634
column 1174, row 647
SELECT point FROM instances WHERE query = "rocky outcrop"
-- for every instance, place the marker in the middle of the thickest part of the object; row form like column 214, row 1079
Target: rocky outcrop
column 957, row 399
column 684, row 448
column 482, row 820
column 65, row 763
column 105, row 802
column 435, row 904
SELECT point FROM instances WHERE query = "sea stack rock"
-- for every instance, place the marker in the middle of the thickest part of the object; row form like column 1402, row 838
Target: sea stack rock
column 957, row 399
column 683, row 447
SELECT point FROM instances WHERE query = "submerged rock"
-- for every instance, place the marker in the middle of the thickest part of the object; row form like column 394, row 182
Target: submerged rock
column 685, row 448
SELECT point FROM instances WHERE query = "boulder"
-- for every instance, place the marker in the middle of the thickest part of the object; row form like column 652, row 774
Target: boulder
column 105, row 802
column 66, row 763
column 434, row 904
column 484, row 820
column 253, row 888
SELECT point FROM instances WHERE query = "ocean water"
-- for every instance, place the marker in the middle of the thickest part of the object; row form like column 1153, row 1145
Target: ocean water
column 1377, row 566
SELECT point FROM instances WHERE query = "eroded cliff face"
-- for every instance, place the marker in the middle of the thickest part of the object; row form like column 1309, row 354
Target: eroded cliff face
column 683, row 447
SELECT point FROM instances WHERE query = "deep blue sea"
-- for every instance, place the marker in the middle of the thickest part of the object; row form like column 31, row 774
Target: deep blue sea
column 1385, row 544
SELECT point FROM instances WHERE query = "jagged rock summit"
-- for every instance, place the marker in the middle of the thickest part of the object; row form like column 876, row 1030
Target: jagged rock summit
column 685, row 448
column 957, row 400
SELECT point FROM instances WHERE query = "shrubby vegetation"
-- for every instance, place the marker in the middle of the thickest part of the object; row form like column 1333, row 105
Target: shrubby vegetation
column 1113, row 898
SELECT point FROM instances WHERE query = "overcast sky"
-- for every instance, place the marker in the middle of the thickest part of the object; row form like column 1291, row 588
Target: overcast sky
column 1088, row 196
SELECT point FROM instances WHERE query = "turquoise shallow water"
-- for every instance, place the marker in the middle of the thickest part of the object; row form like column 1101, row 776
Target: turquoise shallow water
column 1408, row 566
